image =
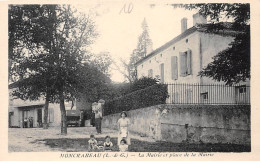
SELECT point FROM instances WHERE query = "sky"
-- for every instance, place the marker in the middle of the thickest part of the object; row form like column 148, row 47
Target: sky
column 119, row 30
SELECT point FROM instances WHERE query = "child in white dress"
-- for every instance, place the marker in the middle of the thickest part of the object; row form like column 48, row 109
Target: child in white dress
column 123, row 127
column 123, row 147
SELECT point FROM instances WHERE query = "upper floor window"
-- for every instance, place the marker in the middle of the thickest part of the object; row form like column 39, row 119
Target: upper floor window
column 162, row 72
column 150, row 73
column 185, row 63
column 174, row 67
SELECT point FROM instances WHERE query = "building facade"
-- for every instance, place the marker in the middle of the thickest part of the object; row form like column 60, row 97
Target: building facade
column 181, row 59
column 30, row 114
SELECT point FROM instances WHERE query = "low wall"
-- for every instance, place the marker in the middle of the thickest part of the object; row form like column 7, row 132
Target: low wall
column 141, row 120
column 190, row 123
column 206, row 123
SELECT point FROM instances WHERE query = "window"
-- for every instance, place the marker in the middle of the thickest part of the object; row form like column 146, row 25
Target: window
column 241, row 95
column 161, row 55
column 150, row 73
column 175, row 98
column 173, row 48
column 142, row 66
column 185, row 63
column 174, row 67
column 189, row 98
column 162, row 72
column 241, row 89
column 204, row 96
column 187, row 40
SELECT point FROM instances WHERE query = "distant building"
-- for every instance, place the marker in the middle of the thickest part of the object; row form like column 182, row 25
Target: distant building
column 181, row 59
column 28, row 113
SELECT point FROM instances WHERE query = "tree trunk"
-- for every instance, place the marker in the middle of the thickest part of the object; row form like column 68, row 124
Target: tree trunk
column 46, row 108
column 63, row 115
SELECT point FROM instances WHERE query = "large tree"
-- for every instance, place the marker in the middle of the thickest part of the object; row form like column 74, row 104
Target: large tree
column 231, row 65
column 54, row 55
column 30, row 62
column 144, row 46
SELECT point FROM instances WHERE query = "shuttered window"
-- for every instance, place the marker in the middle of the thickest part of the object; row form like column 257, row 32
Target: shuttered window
column 150, row 73
column 174, row 67
column 162, row 72
column 189, row 63
column 185, row 63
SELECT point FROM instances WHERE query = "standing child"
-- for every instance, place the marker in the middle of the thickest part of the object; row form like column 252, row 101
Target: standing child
column 123, row 147
column 107, row 144
column 92, row 143
column 123, row 127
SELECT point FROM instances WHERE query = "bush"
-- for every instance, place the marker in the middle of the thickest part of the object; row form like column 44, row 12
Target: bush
column 142, row 83
column 149, row 96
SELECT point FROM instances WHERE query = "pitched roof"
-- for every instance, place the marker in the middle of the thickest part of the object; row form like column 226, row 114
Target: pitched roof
column 226, row 30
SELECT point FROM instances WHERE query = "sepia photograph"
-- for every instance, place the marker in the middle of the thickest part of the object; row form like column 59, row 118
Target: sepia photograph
column 122, row 76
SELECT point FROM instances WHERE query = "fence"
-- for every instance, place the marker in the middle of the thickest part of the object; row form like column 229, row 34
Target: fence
column 208, row 94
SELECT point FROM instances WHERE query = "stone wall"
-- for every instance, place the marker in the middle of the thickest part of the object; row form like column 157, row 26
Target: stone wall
column 206, row 123
column 142, row 120
column 190, row 123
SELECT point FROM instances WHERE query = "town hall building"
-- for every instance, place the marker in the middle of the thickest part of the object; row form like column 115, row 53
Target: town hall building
column 182, row 58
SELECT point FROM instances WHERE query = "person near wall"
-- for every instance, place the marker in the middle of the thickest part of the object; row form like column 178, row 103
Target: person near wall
column 31, row 122
column 98, row 120
column 123, row 127
column 25, row 125
column 92, row 118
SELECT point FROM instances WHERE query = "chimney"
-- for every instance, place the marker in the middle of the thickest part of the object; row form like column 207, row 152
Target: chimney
column 199, row 19
column 183, row 24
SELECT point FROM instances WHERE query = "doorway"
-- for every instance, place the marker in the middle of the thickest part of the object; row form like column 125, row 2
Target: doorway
column 39, row 117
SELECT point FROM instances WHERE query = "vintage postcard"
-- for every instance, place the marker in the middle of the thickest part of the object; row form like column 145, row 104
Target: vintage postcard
column 129, row 80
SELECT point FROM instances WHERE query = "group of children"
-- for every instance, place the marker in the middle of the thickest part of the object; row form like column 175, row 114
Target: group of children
column 107, row 146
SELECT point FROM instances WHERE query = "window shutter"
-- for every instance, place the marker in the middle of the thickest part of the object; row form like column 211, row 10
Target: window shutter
column 174, row 65
column 162, row 72
column 189, row 62
column 150, row 73
column 183, row 64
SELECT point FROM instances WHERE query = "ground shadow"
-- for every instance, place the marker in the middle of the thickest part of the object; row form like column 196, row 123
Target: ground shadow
column 81, row 145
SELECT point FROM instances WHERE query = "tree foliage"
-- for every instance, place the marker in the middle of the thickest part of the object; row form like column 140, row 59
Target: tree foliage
column 143, row 83
column 231, row 65
column 149, row 96
column 144, row 46
column 122, row 89
column 48, row 51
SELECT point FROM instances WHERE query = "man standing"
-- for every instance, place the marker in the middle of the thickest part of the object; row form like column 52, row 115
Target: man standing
column 92, row 118
column 98, row 120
